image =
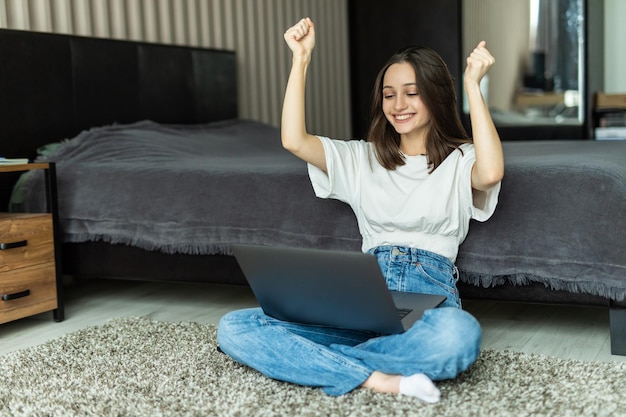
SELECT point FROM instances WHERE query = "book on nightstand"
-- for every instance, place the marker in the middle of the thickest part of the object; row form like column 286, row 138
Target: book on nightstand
column 611, row 133
column 13, row 161
column 610, row 116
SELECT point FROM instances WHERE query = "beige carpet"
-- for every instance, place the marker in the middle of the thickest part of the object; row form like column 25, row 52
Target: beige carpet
column 141, row 367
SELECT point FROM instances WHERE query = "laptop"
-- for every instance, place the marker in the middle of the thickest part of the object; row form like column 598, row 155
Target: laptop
column 329, row 288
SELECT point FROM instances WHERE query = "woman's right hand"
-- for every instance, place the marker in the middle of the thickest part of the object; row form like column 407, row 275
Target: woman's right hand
column 301, row 38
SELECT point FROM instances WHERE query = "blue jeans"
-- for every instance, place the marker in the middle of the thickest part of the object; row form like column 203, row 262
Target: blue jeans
column 443, row 343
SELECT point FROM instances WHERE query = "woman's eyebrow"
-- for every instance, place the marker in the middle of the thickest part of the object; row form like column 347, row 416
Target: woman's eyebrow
column 403, row 85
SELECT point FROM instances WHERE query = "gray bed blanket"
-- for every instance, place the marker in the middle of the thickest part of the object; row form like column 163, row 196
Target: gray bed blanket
column 192, row 189
column 560, row 221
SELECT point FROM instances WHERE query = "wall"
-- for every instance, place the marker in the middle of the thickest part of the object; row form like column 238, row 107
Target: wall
column 488, row 20
column 378, row 28
column 253, row 28
column 615, row 49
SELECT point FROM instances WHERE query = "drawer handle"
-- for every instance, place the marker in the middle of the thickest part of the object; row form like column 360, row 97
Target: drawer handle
column 12, row 245
column 16, row 295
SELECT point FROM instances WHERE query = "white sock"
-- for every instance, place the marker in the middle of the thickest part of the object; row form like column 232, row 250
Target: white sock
column 420, row 386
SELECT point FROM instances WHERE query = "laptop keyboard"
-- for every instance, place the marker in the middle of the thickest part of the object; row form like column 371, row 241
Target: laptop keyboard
column 402, row 312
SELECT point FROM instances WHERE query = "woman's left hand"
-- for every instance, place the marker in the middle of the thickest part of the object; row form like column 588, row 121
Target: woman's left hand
column 478, row 63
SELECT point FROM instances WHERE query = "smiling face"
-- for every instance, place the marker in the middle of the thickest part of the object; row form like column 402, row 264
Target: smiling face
column 402, row 104
column 413, row 109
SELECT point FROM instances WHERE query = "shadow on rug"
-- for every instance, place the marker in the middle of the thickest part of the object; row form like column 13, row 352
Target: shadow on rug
column 138, row 366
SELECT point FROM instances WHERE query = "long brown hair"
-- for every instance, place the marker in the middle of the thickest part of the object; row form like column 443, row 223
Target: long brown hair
column 446, row 132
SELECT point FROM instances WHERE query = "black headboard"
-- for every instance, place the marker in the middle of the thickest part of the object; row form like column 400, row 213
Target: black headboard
column 53, row 86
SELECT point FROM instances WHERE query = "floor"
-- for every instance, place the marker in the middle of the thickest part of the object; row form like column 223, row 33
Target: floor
column 568, row 332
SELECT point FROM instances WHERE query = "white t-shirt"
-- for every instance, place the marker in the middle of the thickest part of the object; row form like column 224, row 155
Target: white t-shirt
column 407, row 206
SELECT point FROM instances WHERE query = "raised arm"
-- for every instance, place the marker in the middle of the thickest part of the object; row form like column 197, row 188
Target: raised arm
column 301, row 40
column 489, row 166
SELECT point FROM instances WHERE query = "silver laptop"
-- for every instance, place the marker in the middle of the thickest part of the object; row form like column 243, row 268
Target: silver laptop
column 330, row 288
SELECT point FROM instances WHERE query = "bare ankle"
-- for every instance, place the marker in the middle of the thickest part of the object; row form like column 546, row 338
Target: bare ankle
column 384, row 383
column 416, row 385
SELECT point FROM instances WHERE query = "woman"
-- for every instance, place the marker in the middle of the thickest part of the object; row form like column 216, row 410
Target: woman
column 414, row 186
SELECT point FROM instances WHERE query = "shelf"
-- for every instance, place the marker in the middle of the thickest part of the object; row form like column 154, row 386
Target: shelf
column 24, row 167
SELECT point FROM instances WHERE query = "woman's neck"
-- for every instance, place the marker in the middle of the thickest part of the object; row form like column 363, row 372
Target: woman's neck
column 413, row 145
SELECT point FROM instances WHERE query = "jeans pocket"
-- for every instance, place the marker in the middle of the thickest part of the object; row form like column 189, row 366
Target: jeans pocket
column 439, row 281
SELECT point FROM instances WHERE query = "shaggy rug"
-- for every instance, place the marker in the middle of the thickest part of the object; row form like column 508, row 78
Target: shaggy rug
column 142, row 367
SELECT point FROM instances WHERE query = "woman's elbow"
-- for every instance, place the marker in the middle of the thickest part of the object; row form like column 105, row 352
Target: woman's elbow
column 489, row 179
column 496, row 175
column 284, row 140
column 289, row 145
column 294, row 142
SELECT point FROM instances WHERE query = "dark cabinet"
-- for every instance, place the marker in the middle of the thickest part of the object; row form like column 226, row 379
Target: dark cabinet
column 378, row 28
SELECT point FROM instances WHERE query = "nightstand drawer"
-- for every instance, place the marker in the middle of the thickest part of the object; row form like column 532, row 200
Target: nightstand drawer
column 27, row 291
column 25, row 240
column 30, row 268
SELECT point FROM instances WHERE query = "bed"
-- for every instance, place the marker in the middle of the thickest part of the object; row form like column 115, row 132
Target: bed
column 157, row 177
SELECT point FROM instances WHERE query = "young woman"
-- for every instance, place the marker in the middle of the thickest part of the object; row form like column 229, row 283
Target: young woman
column 414, row 185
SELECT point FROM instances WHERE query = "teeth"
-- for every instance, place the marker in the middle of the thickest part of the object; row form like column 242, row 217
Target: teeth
column 403, row 116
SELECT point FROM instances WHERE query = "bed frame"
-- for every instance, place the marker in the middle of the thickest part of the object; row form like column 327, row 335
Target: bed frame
column 54, row 86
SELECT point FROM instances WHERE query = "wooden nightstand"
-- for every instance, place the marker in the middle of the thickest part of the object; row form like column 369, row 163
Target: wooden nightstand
column 30, row 261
